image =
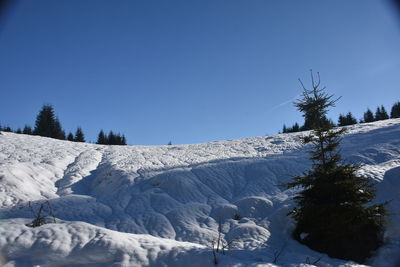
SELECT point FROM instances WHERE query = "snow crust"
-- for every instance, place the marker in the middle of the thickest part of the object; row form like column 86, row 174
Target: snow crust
column 163, row 205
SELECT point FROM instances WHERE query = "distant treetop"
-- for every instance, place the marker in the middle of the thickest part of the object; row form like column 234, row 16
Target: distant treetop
column 47, row 124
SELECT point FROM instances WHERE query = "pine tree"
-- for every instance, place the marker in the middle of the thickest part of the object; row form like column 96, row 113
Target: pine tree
column 102, row 139
column 295, row 127
column 350, row 119
column 18, row 131
column 45, row 121
column 378, row 113
column 368, row 116
column 314, row 111
column 111, row 138
column 27, row 130
column 123, row 140
column 346, row 120
column 58, row 132
column 47, row 124
column 79, row 136
column 381, row 113
column 7, row 129
column 395, row 112
column 342, row 120
column 333, row 212
column 118, row 139
column 284, row 129
column 384, row 114
column 70, row 137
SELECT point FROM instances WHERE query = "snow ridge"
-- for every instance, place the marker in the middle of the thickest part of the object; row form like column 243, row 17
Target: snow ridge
column 162, row 205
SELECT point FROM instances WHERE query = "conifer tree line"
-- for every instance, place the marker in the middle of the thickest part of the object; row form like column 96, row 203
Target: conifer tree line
column 348, row 119
column 47, row 124
column 110, row 138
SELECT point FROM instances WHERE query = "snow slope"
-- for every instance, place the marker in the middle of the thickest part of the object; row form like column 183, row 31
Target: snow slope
column 162, row 205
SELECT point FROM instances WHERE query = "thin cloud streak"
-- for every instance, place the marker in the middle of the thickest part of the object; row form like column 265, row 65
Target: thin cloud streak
column 285, row 103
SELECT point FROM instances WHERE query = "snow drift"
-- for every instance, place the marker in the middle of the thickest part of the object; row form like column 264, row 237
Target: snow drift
column 163, row 205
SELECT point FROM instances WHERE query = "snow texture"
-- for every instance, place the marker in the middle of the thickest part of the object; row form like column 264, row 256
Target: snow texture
column 163, row 205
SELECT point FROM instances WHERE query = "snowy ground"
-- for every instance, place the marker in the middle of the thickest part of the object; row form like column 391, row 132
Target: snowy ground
column 161, row 205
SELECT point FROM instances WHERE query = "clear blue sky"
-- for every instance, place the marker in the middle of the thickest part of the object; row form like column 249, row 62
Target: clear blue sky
column 193, row 71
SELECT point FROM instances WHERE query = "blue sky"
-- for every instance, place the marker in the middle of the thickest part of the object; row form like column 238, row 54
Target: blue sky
column 193, row 71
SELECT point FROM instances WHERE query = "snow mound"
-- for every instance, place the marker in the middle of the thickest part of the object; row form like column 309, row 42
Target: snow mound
column 163, row 205
column 78, row 243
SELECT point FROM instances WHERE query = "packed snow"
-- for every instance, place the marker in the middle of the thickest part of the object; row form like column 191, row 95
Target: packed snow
column 164, row 205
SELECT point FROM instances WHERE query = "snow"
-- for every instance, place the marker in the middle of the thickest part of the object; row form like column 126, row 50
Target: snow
column 162, row 205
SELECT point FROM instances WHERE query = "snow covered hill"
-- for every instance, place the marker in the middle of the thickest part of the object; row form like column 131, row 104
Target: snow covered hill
column 163, row 205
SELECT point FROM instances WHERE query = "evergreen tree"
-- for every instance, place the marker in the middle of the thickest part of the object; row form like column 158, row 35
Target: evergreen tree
column 284, row 129
column 334, row 215
column 314, row 111
column 123, row 140
column 350, row 119
column 346, row 120
column 18, row 131
column 309, row 121
column 79, row 136
column 58, row 132
column 368, row 116
column 378, row 113
column 102, row 139
column 7, row 129
column 112, row 140
column 45, row 121
column 385, row 115
column 70, row 137
column 118, row 139
column 47, row 124
column 293, row 129
column 27, row 129
column 381, row 113
column 395, row 112
column 342, row 120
